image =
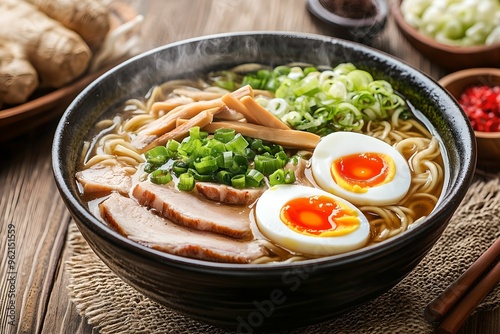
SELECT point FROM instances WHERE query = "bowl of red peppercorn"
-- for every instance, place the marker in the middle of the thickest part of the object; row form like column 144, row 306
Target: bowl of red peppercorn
column 478, row 92
column 356, row 20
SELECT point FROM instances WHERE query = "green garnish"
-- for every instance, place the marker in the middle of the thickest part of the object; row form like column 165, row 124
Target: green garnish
column 226, row 158
column 341, row 99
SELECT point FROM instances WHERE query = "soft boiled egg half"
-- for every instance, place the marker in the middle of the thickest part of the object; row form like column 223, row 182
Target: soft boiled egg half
column 310, row 221
column 361, row 169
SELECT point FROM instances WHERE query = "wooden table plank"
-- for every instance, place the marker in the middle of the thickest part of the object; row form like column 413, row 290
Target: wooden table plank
column 62, row 316
column 30, row 204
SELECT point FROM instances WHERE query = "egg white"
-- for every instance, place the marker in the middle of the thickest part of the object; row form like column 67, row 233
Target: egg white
column 267, row 213
column 340, row 144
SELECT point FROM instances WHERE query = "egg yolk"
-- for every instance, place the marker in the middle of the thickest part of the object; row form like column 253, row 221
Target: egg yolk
column 359, row 172
column 319, row 216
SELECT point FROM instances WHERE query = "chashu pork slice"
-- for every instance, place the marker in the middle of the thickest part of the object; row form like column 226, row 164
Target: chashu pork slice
column 228, row 195
column 190, row 209
column 141, row 225
column 104, row 178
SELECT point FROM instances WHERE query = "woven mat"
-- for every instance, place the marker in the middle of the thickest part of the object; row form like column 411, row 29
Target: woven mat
column 112, row 306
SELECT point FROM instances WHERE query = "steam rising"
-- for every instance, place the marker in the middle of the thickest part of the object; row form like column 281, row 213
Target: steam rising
column 198, row 56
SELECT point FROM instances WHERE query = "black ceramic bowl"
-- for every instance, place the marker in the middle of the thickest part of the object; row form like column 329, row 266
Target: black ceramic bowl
column 273, row 296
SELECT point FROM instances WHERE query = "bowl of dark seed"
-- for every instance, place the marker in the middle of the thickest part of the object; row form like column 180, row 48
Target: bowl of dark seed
column 355, row 20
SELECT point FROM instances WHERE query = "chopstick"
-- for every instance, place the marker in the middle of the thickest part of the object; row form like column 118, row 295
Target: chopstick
column 462, row 296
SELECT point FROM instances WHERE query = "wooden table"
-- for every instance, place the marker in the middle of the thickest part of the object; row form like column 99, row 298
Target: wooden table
column 35, row 216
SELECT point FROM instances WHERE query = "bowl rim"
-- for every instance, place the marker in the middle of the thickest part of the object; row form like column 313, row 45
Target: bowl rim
column 468, row 72
column 487, row 135
column 427, row 40
column 84, row 215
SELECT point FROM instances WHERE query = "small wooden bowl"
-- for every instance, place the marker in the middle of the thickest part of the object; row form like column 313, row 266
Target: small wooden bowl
column 362, row 30
column 488, row 143
column 452, row 58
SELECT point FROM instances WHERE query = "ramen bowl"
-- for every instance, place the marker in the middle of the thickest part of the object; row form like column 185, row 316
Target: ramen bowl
column 256, row 297
column 488, row 143
column 450, row 57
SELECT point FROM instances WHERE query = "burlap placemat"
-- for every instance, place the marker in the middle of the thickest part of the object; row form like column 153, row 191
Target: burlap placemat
column 112, row 306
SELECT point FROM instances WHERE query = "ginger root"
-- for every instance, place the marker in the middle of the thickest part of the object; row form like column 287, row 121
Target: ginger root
column 88, row 18
column 18, row 78
column 50, row 37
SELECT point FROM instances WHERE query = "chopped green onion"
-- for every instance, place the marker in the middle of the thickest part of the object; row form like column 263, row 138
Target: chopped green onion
column 224, row 135
column 157, row 155
column 363, row 99
column 188, row 146
column 282, row 158
column 227, row 159
column 224, row 79
column 294, row 160
column 281, row 70
column 254, row 178
column 216, row 147
column 160, row 177
column 186, row 182
column 227, row 85
column 194, row 132
column 310, row 69
column 289, row 176
column 238, row 181
column 266, row 165
column 237, row 144
column 264, row 74
column 277, row 177
column 199, row 176
column 308, row 85
column 258, row 146
column 203, row 151
column 240, row 164
column 277, row 107
column 172, row 146
column 282, row 176
column 256, row 83
column 206, row 165
column 249, row 154
column 224, row 177
column 179, row 167
column 149, row 168
column 360, row 79
column 309, row 100
column 344, row 68
column 337, row 90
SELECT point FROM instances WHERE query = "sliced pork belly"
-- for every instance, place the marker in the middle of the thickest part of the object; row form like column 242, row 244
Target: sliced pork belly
column 228, row 195
column 104, row 178
column 141, row 225
column 193, row 210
